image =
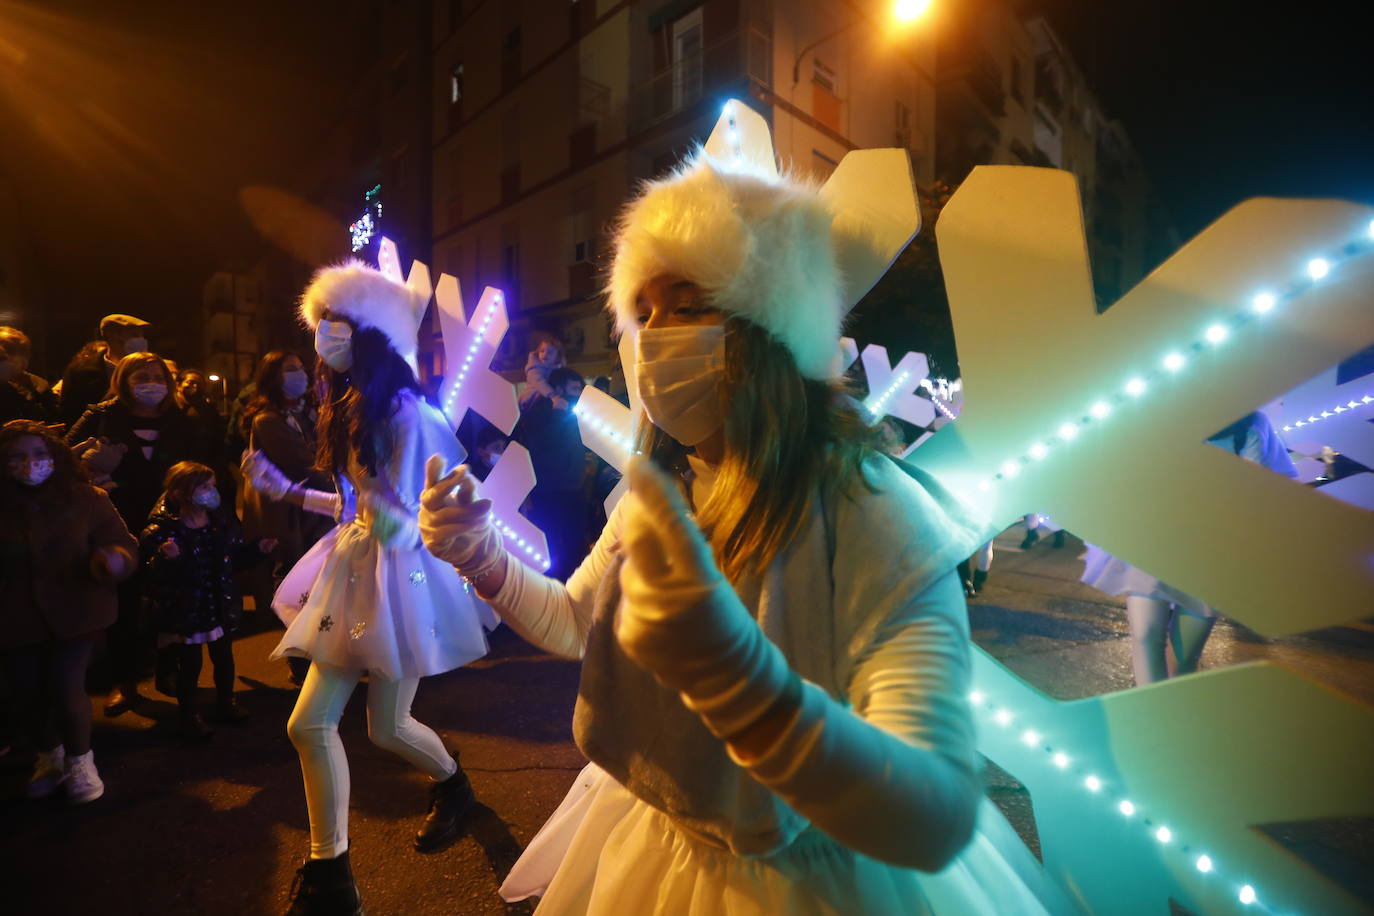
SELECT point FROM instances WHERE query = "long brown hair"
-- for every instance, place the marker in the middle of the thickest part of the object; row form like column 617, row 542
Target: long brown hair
column 356, row 412
column 267, row 387
column 67, row 472
column 787, row 438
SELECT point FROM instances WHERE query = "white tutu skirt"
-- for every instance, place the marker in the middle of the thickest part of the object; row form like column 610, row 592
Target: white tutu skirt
column 1106, row 573
column 399, row 612
column 604, row 852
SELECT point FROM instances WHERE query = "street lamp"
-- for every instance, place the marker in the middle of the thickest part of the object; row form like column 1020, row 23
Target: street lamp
column 903, row 11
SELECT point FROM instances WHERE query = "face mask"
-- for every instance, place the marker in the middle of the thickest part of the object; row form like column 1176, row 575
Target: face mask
column 8, row 370
column 149, row 394
column 34, row 472
column 135, row 345
column 206, row 499
column 677, row 372
column 334, row 343
column 294, row 383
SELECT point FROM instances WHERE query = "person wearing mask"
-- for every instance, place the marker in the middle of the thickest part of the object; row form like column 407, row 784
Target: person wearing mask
column 558, row 502
column 190, row 552
column 542, row 360
column 127, row 444
column 87, row 378
column 369, row 598
column 774, row 643
column 63, row 548
column 23, row 395
column 279, row 422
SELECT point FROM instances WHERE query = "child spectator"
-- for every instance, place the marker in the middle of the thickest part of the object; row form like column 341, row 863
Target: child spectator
column 62, row 549
column 190, row 552
column 544, row 359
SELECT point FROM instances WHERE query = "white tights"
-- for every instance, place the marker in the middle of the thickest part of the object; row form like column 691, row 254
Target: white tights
column 314, row 730
column 1157, row 626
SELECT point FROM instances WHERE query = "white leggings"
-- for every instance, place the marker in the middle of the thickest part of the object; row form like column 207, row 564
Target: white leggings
column 314, row 730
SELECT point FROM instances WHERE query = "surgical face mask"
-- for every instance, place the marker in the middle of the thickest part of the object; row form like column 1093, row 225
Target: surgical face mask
column 149, row 394
column 678, row 372
column 135, row 345
column 334, row 343
column 207, row 498
column 32, row 472
column 294, row 382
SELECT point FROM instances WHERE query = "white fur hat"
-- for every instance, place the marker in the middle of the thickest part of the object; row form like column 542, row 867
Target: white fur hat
column 784, row 254
column 370, row 299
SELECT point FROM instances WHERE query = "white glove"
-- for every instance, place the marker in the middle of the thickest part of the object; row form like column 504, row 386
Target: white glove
column 455, row 522
column 681, row 620
column 264, row 476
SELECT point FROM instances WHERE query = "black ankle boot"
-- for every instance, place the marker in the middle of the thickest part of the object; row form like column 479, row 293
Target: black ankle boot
column 980, row 576
column 449, row 802
column 1029, row 540
column 1058, row 539
column 325, row 887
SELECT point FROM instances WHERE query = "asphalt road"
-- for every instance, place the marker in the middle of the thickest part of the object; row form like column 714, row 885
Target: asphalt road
column 221, row 828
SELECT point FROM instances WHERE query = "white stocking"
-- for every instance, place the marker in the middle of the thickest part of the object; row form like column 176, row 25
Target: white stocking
column 1187, row 635
column 982, row 559
column 1149, row 620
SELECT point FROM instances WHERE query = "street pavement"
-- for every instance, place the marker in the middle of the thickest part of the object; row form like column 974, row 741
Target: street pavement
column 220, row 828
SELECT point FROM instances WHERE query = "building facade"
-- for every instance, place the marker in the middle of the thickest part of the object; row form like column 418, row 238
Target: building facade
column 546, row 115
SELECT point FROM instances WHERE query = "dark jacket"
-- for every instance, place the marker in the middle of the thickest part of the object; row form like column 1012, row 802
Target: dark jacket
column 85, row 383
column 30, row 399
column 138, row 480
column 197, row 590
column 555, row 444
column 293, row 451
column 47, row 538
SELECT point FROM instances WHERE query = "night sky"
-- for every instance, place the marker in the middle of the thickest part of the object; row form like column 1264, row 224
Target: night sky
column 128, row 128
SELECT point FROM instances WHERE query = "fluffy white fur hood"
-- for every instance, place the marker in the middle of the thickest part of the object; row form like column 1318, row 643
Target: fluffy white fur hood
column 758, row 244
column 370, row 299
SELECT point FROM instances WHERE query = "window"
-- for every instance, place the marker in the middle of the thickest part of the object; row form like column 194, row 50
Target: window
column 583, row 224
column 686, row 50
column 455, row 84
column 825, row 100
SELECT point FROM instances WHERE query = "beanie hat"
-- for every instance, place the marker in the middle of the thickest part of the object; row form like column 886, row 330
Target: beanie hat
column 777, row 250
column 372, row 298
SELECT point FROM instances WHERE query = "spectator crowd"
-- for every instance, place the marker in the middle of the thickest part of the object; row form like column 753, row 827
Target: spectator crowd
column 129, row 538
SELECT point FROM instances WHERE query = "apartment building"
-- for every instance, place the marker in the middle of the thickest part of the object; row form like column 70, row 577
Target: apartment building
column 547, row 114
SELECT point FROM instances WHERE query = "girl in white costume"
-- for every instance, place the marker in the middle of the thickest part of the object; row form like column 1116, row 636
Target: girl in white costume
column 774, row 641
column 368, row 597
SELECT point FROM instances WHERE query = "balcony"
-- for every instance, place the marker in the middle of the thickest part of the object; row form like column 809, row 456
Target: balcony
column 744, row 54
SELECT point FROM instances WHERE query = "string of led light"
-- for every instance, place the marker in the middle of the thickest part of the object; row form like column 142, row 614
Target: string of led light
column 520, row 542
column 477, row 339
column 601, row 426
column 1060, row 760
column 1350, row 405
column 732, row 133
column 1175, row 360
column 875, row 407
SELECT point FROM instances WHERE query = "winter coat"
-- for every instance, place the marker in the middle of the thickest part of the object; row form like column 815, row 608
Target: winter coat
column 85, row 383
column 537, row 378
column 30, row 400
column 47, row 538
column 197, row 590
column 293, row 451
column 138, row 480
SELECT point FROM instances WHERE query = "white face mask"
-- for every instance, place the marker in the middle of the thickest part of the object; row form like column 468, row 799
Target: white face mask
column 334, row 343
column 135, row 345
column 294, row 382
column 149, row 394
column 206, row 499
column 32, row 473
column 678, row 372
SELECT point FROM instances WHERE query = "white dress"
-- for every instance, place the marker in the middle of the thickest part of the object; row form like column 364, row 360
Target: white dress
column 394, row 609
column 606, row 851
